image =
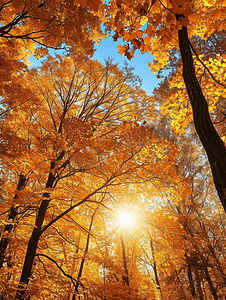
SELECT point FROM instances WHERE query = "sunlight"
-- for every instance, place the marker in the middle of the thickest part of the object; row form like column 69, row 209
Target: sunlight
column 125, row 219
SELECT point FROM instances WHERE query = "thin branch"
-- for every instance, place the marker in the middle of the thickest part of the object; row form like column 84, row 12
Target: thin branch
column 167, row 7
column 61, row 235
column 205, row 67
column 74, row 206
column 77, row 224
column 73, row 280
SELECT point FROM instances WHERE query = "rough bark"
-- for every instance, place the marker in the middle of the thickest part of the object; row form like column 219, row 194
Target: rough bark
column 208, row 135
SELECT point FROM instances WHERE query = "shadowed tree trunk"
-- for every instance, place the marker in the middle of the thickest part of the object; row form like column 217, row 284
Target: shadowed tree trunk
column 210, row 283
column 208, row 135
column 191, row 281
column 33, row 242
column 11, row 218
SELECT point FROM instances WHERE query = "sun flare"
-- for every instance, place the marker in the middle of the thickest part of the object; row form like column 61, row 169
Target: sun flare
column 125, row 219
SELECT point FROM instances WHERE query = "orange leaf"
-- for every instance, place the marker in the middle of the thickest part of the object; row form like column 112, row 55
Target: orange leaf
column 120, row 49
column 193, row 17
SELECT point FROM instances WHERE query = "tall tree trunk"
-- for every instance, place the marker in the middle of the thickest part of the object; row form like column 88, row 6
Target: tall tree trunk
column 33, row 242
column 36, row 233
column 4, row 242
column 208, row 135
column 210, row 283
column 191, row 281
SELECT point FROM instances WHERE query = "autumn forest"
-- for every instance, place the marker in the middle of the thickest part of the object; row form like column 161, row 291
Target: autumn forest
column 107, row 192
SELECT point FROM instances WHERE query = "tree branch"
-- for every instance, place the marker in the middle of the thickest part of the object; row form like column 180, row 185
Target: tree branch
column 73, row 280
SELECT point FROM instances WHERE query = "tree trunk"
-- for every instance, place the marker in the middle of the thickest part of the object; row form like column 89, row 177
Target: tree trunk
column 191, row 281
column 11, row 217
column 210, row 283
column 31, row 250
column 208, row 135
column 33, row 242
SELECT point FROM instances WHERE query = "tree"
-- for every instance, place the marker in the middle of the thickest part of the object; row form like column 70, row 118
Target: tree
column 161, row 26
column 46, row 24
column 81, row 138
column 32, row 28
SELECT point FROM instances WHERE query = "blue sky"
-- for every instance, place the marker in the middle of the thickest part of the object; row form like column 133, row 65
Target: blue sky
column 140, row 61
column 109, row 48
